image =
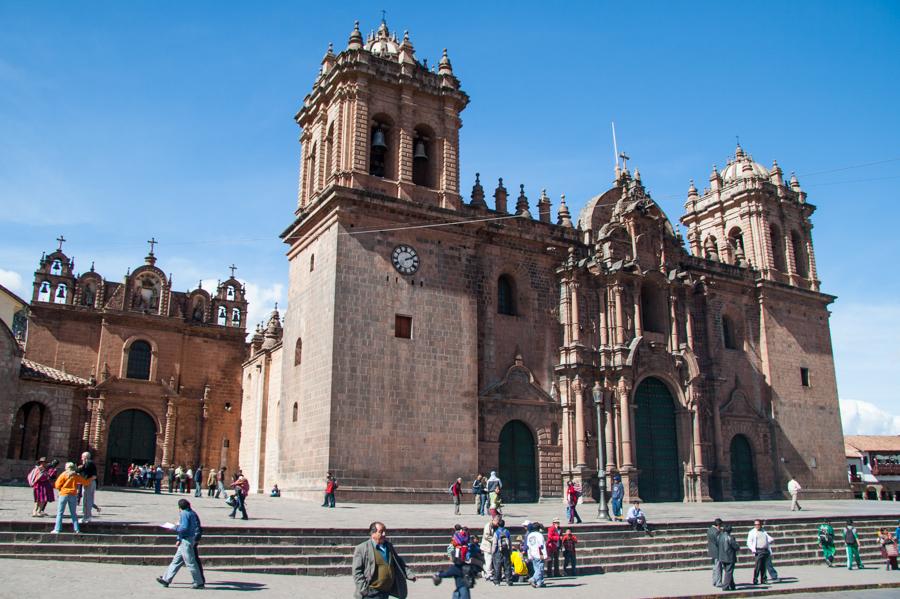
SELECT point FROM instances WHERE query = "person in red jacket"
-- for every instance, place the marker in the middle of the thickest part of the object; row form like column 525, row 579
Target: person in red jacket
column 553, row 546
column 568, row 546
column 330, row 487
column 456, row 491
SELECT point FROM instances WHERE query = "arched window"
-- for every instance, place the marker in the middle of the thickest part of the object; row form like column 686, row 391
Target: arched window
column 229, row 293
column 62, row 292
column 139, row 356
column 653, row 309
column 329, row 152
column 56, row 267
column 423, row 157
column 222, row 316
column 298, row 352
column 506, row 296
column 28, row 439
column 235, row 317
column 294, row 413
column 381, row 148
column 801, row 262
column 729, row 333
column 777, row 248
column 312, row 175
column 44, row 292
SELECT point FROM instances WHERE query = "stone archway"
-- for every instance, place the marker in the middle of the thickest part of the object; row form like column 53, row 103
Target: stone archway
column 518, row 469
column 132, row 439
column 31, row 427
column 744, row 484
column 656, row 452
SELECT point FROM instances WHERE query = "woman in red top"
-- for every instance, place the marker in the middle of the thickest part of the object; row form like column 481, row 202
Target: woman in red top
column 456, row 491
column 330, row 487
column 553, row 541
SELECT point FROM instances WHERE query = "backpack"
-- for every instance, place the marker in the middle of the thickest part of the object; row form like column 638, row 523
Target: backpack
column 505, row 544
column 849, row 536
column 450, row 489
column 34, row 476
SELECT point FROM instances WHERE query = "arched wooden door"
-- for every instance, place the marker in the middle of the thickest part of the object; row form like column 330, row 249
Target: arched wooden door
column 132, row 439
column 744, row 486
column 517, row 463
column 31, row 426
column 657, row 443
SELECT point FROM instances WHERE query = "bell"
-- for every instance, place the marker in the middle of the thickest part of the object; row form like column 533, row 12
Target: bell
column 378, row 140
column 420, row 150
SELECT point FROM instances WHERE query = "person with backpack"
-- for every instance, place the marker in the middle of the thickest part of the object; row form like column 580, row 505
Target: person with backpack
column 826, row 541
column 572, row 495
column 501, row 565
column 569, row 541
column 553, row 547
column 487, row 545
column 455, row 491
column 537, row 554
column 464, row 568
column 851, row 540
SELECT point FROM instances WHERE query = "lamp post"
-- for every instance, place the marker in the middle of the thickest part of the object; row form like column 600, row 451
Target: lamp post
column 602, row 511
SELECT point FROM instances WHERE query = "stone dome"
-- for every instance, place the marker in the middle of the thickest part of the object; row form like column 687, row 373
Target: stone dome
column 382, row 43
column 743, row 166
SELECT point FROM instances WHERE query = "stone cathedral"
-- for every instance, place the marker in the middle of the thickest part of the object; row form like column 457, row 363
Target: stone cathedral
column 430, row 336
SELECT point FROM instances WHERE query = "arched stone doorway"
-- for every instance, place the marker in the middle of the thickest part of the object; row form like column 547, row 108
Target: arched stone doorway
column 132, row 439
column 517, row 463
column 31, row 426
column 744, row 485
column 657, row 443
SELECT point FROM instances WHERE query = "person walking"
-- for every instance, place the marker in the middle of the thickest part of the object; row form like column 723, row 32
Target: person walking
column 537, row 553
column 37, row 478
column 171, row 477
column 241, row 488
column 220, row 482
column 759, row 543
column 569, row 541
column 553, row 547
column 501, row 566
column 617, row 496
column 794, row 489
column 330, row 488
column 495, row 505
column 378, row 572
column 712, row 549
column 851, row 541
column 211, row 483
column 826, row 541
column 572, row 495
column 478, row 486
column 188, row 531
column 67, row 485
column 158, row 474
column 88, row 471
column 198, row 481
column 727, row 556
column 456, row 492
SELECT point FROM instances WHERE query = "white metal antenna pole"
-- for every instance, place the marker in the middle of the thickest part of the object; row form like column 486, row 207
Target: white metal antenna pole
column 615, row 146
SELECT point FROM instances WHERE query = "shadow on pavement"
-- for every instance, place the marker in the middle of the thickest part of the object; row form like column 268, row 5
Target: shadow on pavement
column 229, row 585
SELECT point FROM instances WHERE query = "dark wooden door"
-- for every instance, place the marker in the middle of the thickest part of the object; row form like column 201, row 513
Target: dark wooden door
column 517, row 463
column 744, row 486
column 132, row 439
column 657, row 443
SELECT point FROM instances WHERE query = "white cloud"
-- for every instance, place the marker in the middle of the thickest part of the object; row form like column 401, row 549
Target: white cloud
column 11, row 280
column 262, row 300
column 864, row 418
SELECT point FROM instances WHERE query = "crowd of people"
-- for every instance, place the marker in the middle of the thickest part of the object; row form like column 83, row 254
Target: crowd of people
column 76, row 483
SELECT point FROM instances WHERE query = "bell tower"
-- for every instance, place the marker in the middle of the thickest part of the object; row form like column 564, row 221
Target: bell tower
column 378, row 119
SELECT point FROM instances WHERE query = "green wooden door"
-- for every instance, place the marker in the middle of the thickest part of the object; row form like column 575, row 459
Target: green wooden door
column 657, row 443
column 132, row 439
column 517, row 463
column 744, row 486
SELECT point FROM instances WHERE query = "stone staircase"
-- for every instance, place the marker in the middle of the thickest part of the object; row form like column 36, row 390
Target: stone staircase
column 328, row 552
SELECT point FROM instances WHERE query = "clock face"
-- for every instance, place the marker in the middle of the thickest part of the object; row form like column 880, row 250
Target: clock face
column 405, row 259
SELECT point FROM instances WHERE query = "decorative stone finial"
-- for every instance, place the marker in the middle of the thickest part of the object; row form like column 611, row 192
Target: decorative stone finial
column 563, row 218
column 544, row 207
column 356, row 40
column 795, row 184
column 522, row 203
column 478, row 193
column 692, row 190
column 444, row 66
column 500, row 195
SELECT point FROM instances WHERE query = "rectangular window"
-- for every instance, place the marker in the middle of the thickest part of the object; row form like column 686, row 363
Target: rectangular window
column 312, row 262
column 804, row 377
column 403, row 326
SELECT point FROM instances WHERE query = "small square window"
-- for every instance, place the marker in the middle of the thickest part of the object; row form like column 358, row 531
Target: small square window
column 804, row 377
column 312, row 262
column 403, row 327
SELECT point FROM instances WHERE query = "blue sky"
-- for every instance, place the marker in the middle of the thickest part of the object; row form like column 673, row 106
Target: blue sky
column 122, row 121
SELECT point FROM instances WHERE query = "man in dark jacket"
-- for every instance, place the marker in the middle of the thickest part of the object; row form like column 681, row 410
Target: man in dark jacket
column 712, row 548
column 728, row 549
column 378, row 572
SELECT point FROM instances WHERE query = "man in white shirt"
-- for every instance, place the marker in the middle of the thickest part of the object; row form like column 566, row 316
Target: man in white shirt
column 636, row 517
column 760, row 545
column 794, row 489
column 537, row 553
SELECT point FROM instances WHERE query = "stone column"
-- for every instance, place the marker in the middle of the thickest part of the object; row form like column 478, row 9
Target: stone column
column 578, row 390
column 673, row 304
column 604, row 334
column 564, row 313
column 811, row 259
column 625, row 411
column 698, row 445
column 638, row 316
column 576, row 333
column 689, row 326
column 620, row 317
column 169, row 438
column 99, row 424
column 610, row 434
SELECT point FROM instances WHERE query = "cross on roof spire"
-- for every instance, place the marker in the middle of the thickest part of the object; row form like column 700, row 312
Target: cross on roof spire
column 152, row 241
column 233, row 268
column 383, row 16
column 60, row 239
column 625, row 158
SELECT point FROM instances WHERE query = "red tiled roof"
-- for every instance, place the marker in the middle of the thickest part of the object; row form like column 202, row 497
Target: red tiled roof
column 39, row 372
column 856, row 444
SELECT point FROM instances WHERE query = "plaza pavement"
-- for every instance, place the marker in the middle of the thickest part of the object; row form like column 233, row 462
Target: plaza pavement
column 143, row 507
column 108, row 581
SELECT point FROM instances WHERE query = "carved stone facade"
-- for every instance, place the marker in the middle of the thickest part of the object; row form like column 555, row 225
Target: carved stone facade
column 163, row 366
column 440, row 337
